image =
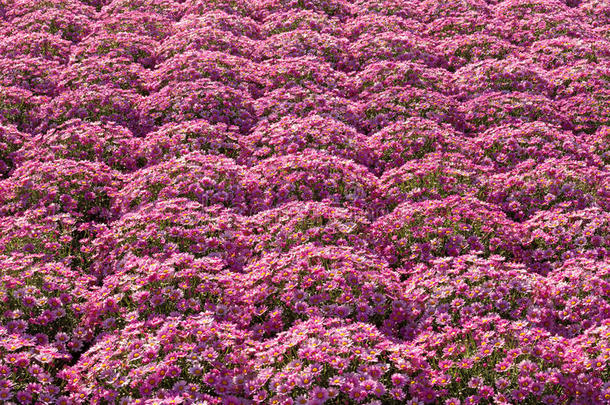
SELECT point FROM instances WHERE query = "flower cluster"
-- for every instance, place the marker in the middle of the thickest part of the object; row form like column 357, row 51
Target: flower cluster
column 79, row 188
column 442, row 227
column 191, row 358
column 597, row 146
column 310, row 176
column 120, row 72
column 411, row 139
column 38, row 75
column 207, row 179
column 176, row 139
column 305, row 71
column 294, row 134
column 308, row 281
column 299, row 101
column 327, row 359
column 170, row 226
column 553, row 236
column 579, row 77
column 80, row 140
column 40, row 233
column 462, row 50
column 295, row 223
column 374, row 77
column 230, row 70
column 377, row 110
column 589, row 111
column 508, row 145
column 301, row 42
column 499, row 75
column 496, row 108
column 197, row 35
column 531, row 187
column 203, row 98
column 434, row 176
column 105, row 103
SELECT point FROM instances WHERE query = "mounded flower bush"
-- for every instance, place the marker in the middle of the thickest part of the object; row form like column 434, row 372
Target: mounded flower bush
column 37, row 45
column 80, row 140
column 328, row 359
column 296, row 223
column 587, row 112
column 305, row 71
column 35, row 304
column 165, row 8
column 41, row 233
column 192, row 358
column 154, row 25
column 432, row 177
column 579, row 77
column 206, row 38
column 96, row 103
column 299, row 101
column 38, row 75
column 310, row 281
column 20, row 107
column 376, row 110
column 467, row 23
column 79, row 188
column 522, row 8
column 399, row 8
column 136, row 48
column 506, row 146
column 240, row 26
column 565, row 51
column 310, row 176
column 301, row 42
column 334, row 8
column 530, row 187
column 496, row 108
column 577, row 296
column 499, row 75
column 294, row 134
column 597, row 146
column 118, row 72
column 179, row 284
column 291, row 20
column 379, row 75
column 20, row 8
column 431, row 10
column 551, row 237
column 206, row 179
column 483, row 325
column 234, row 7
column 462, row 50
column 203, row 98
column 170, row 226
column 373, row 24
column 548, row 26
column 233, row 71
column 404, row 46
column 41, row 304
column 57, row 21
column 411, row 139
column 174, row 140
column 446, row 227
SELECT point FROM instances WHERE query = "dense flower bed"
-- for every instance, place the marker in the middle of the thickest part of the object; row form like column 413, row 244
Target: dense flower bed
column 240, row 202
